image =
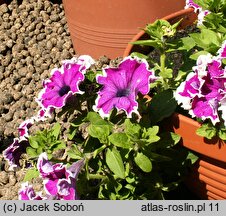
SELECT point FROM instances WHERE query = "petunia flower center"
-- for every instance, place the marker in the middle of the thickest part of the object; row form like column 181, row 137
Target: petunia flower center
column 64, row 90
column 123, row 92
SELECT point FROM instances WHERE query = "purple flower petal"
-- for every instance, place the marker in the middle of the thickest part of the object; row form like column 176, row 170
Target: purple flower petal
column 66, row 190
column 13, row 153
column 201, row 65
column 75, row 168
column 214, row 69
column 201, row 16
column 59, row 181
column 190, row 3
column 50, row 186
column 222, row 50
column 121, row 86
column 204, row 89
column 205, row 109
column 64, row 82
column 24, row 126
column 43, row 114
column 222, row 107
column 48, row 170
column 27, row 193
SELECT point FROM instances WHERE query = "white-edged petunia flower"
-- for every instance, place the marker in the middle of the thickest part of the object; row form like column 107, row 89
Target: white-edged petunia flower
column 121, row 85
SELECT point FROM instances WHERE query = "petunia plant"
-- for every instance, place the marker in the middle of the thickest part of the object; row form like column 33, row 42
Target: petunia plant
column 117, row 145
column 115, row 151
column 198, row 84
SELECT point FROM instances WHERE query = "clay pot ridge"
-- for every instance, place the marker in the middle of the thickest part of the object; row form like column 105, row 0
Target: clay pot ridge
column 105, row 27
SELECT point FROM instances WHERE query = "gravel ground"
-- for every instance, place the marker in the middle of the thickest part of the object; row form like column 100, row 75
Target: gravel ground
column 34, row 39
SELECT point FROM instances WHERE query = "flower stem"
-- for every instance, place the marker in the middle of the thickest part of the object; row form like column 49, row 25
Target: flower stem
column 97, row 176
column 163, row 70
column 162, row 62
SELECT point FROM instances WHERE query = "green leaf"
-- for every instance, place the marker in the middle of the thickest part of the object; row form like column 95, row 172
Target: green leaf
column 40, row 150
column 33, row 142
column 188, row 43
column 32, row 152
column 55, row 131
column 31, row 173
column 167, row 73
column 115, row 163
column 150, row 134
column 159, row 157
column 192, row 157
column 99, row 128
column 152, row 43
column 222, row 133
column 197, row 54
column 100, row 132
column 91, row 75
column 95, row 119
column 143, row 162
column 162, row 105
column 120, row 140
column 207, row 40
column 74, row 152
column 139, row 55
column 97, row 151
column 57, row 145
column 132, row 129
column 207, row 130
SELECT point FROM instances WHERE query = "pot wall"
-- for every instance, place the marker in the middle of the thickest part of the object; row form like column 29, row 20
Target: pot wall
column 104, row 27
column 208, row 177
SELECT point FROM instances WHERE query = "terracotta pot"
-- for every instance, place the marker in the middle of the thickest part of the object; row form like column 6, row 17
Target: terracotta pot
column 104, row 27
column 207, row 178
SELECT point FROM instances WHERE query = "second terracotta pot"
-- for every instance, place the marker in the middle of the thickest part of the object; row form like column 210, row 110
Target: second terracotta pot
column 104, row 27
column 187, row 16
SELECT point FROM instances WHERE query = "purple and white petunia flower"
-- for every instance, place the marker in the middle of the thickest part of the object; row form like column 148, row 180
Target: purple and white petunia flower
column 64, row 82
column 201, row 16
column 27, row 193
column 44, row 114
column 190, row 3
column 121, row 85
column 222, row 107
column 197, row 9
column 222, row 51
column 24, row 126
column 59, row 181
column 203, row 91
column 13, row 153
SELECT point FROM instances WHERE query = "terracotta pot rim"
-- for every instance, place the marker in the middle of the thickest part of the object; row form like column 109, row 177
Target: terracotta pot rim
column 128, row 49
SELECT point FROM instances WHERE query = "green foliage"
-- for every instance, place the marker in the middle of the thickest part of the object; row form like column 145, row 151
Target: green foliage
column 120, row 140
column 210, row 131
column 98, row 127
column 115, row 163
column 31, row 173
column 207, row 130
column 45, row 141
column 162, row 105
column 143, row 162
column 122, row 159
